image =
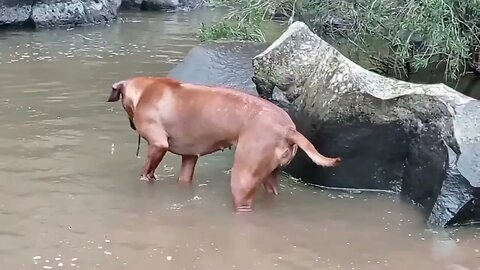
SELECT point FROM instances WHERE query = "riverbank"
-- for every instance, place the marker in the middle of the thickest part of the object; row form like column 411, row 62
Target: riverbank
column 47, row 14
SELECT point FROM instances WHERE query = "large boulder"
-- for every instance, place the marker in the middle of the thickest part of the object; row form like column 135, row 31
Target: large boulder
column 47, row 13
column 226, row 64
column 421, row 140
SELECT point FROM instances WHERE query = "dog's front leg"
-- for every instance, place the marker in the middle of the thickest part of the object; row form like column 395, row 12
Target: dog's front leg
column 154, row 157
column 157, row 141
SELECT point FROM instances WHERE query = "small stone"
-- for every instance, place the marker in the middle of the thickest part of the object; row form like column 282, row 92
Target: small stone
column 37, row 257
column 169, row 258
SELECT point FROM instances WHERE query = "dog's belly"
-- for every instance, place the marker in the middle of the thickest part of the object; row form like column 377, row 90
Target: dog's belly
column 201, row 131
column 196, row 147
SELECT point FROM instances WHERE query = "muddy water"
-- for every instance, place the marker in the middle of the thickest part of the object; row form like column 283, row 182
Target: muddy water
column 70, row 197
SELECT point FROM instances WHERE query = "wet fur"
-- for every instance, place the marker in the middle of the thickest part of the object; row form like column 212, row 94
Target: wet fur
column 195, row 120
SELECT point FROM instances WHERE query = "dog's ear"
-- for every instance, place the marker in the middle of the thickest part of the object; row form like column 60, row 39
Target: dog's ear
column 118, row 90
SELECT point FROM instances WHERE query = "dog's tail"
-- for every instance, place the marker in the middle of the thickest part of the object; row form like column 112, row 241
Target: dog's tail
column 118, row 90
column 297, row 138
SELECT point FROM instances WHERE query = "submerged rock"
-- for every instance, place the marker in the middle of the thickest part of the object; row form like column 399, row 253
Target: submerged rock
column 159, row 4
column 420, row 140
column 156, row 5
column 45, row 13
column 220, row 64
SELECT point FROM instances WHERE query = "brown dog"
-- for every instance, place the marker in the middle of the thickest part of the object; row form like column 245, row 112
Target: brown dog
column 194, row 120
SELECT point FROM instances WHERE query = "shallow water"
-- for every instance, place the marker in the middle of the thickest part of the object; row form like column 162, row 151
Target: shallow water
column 70, row 197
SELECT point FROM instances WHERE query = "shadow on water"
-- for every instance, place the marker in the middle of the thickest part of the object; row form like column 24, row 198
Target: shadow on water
column 70, row 194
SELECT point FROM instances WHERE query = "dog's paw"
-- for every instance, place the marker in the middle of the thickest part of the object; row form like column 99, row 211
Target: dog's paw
column 148, row 177
column 270, row 188
column 243, row 209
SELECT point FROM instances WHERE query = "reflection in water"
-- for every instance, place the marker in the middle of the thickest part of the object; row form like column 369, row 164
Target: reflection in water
column 70, row 195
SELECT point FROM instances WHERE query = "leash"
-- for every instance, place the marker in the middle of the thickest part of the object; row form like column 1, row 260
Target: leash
column 138, row 145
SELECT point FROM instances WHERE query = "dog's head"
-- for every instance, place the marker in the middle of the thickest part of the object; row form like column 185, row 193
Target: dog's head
column 117, row 92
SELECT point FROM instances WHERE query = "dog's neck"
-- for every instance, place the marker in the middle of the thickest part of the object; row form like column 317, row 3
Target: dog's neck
column 132, row 95
column 130, row 100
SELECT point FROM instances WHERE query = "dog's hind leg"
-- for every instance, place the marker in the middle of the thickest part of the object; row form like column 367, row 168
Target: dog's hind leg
column 254, row 161
column 243, row 185
column 270, row 183
column 187, row 169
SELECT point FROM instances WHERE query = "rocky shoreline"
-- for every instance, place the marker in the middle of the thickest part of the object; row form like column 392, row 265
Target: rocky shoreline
column 54, row 13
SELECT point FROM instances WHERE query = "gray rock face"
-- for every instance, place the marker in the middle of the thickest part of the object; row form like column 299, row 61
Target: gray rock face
column 47, row 13
column 14, row 11
column 420, row 140
column 156, row 5
column 226, row 64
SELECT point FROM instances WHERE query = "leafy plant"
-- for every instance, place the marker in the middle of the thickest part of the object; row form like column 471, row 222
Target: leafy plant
column 228, row 31
column 400, row 35
column 417, row 34
column 243, row 20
